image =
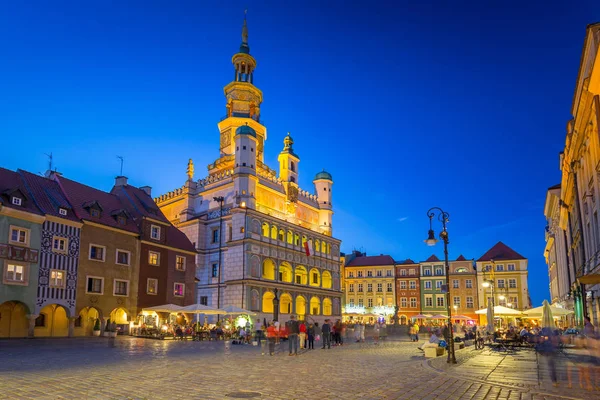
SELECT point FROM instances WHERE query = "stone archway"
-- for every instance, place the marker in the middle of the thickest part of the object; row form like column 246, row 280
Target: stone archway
column 300, row 307
column 285, row 304
column 86, row 320
column 52, row 321
column 14, row 322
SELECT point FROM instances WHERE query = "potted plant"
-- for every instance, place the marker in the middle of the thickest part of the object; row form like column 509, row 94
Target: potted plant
column 97, row 327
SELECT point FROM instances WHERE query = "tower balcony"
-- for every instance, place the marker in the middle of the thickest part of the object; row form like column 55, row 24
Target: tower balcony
column 245, row 115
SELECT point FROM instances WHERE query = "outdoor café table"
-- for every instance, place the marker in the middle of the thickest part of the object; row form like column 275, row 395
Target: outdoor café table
column 507, row 344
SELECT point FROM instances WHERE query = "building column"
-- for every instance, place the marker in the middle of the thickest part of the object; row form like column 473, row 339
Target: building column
column 31, row 328
column 71, row 326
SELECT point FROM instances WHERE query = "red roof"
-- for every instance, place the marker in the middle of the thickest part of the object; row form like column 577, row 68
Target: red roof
column 500, row 251
column 407, row 261
column 47, row 195
column 371, row 260
column 13, row 185
column 461, row 258
column 80, row 196
column 140, row 205
column 432, row 258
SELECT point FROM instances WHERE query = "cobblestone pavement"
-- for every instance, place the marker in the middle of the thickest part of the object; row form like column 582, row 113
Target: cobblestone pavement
column 130, row 368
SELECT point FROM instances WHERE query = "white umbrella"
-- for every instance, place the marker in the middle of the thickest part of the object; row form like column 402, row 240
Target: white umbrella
column 420, row 316
column 547, row 320
column 556, row 311
column 500, row 310
column 202, row 309
column 170, row 308
column 439, row 316
column 233, row 310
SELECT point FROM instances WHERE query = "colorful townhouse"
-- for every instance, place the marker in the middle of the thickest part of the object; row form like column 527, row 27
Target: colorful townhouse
column 463, row 288
column 408, row 290
column 55, row 307
column 167, row 257
column 432, row 278
column 20, row 236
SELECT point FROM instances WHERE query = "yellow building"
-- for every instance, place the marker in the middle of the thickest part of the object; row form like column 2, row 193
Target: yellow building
column 506, row 273
column 369, row 287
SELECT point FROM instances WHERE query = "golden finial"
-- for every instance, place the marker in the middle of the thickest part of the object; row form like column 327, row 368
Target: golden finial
column 190, row 169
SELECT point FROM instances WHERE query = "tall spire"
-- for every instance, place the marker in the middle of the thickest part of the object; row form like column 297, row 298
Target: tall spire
column 244, row 48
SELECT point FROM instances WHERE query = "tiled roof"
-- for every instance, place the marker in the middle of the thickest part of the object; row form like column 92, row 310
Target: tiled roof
column 371, row 260
column 461, row 258
column 80, row 195
column 47, row 195
column 432, row 258
column 500, row 251
column 141, row 205
column 557, row 186
column 407, row 261
column 10, row 182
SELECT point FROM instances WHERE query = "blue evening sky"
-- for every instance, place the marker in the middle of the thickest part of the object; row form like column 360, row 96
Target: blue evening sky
column 409, row 105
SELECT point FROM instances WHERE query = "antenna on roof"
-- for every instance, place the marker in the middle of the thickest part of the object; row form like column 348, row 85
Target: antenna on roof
column 49, row 161
column 121, row 158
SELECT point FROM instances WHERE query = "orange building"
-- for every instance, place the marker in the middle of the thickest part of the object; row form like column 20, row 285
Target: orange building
column 463, row 288
column 408, row 290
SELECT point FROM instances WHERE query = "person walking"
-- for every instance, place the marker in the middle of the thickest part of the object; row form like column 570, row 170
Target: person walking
column 363, row 328
column 326, row 330
column 311, row 336
column 258, row 327
column 293, row 330
column 376, row 328
column 416, row 328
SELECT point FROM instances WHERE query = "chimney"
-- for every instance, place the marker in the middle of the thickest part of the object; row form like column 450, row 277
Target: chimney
column 121, row 181
column 51, row 174
column 147, row 189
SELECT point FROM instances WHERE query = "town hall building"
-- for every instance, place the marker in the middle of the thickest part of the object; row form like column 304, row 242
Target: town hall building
column 264, row 243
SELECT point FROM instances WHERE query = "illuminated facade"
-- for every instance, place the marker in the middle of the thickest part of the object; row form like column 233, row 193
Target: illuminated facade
column 463, row 288
column 508, row 271
column 408, row 290
column 252, row 225
column 579, row 279
column 433, row 277
column 369, row 287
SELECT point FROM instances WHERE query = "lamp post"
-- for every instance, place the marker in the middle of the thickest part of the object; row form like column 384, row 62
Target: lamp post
column 220, row 199
column 443, row 217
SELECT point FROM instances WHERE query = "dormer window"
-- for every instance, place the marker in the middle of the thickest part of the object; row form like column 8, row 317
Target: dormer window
column 95, row 212
column 155, row 232
column 121, row 220
column 17, row 201
column 62, row 211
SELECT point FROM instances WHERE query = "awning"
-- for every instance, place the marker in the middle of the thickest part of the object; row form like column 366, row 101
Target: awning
column 233, row 310
column 500, row 310
column 590, row 279
column 556, row 311
column 202, row 309
column 170, row 308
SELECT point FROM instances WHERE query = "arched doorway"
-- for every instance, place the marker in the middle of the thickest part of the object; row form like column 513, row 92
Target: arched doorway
column 13, row 320
column 84, row 325
column 315, row 306
column 52, row 320
column 403, row 320
column 267, row 302
column 327, row 306
column 120, row 317
column 268, row 269
column 285, row 272
column 285, row 304
column 300, row 307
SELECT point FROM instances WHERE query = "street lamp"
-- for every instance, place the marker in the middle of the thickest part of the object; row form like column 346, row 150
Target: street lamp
column 443, row 217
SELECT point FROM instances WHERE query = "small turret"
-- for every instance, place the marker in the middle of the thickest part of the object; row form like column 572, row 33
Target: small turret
column 323, row 182
column 288, row 161
column 245, row 165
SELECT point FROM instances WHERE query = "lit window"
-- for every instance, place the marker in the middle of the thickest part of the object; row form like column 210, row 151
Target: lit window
column 179, row 289
column 152, row 286
column 97, row 252
column 57, row 278
column 62, row 211
column 411, row 271
column 59, row 244
column 153, row 258
column 361, row 302
column 19, row 235
column 15, row 273
column 155, row 232
column 120, row 288
column 16, row 201
column 123, row 257
column 180, row 263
